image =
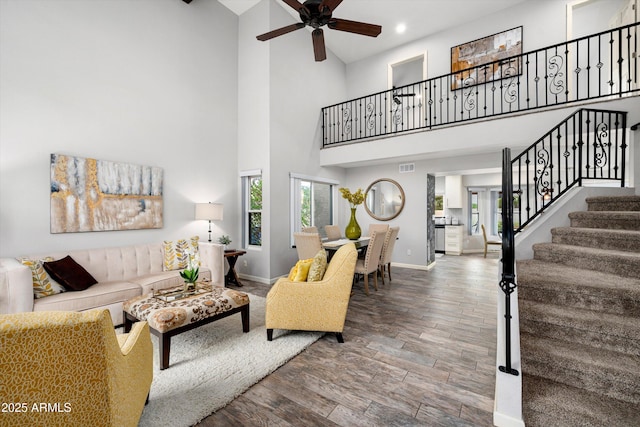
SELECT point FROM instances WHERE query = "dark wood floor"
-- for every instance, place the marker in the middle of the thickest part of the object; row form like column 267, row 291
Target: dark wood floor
column 420, row 351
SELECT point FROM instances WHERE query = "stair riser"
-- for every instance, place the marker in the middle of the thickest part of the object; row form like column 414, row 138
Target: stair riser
column 581, row 336
column 628, row 245
column 608, row 224
column 608, row 263
column 589, row 378
column 609, row 303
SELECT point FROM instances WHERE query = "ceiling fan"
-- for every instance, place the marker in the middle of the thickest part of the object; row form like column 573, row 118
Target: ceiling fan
column 318, row 13
column 396, row 96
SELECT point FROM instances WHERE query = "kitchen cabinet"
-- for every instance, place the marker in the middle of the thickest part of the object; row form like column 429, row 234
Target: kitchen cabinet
column 453, row 191
column 440, row 239
column 453, row 239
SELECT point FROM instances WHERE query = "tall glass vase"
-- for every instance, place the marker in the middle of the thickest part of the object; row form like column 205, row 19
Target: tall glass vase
column 353, row 231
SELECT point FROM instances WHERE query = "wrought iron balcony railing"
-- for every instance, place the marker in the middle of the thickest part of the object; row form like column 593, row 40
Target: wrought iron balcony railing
column 591, row 67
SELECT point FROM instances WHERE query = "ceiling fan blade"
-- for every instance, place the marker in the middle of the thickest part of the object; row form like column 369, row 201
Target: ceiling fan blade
column 295, row 4
column 331, row 4
column 280, row 31
column 356, row 27
column 318, row 45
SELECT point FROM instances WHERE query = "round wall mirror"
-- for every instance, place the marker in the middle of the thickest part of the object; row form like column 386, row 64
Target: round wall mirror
column 384, row 199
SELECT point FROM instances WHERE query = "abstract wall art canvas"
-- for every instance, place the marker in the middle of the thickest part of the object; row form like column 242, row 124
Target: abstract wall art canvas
column 98, row 195
column 493, row 51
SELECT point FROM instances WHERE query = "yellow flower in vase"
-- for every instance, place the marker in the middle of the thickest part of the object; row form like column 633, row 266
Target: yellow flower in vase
column 353, row 230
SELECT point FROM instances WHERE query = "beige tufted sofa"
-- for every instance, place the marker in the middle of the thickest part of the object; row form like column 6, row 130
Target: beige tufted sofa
column 122, row 273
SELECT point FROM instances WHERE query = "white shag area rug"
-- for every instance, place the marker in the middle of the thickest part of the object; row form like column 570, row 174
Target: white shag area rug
column 213, row 364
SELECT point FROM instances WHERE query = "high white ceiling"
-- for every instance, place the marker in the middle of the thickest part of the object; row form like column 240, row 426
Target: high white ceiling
column 421, row 17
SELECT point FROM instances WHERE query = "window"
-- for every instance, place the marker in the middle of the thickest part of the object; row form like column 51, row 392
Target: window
column 496, row 214
column 474, row 213
column 311, row 202
column 252, row 208
column 496, row 199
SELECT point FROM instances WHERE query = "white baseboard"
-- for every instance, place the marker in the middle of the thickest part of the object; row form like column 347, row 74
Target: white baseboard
column 502, row 420
column 413, row 266
column 393, row 264
column 258, row 279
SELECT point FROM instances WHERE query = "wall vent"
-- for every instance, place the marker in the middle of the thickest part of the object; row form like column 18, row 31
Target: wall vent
column 407, row 167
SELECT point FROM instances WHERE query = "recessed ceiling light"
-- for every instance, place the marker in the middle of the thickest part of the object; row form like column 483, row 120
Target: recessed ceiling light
column 401, row 28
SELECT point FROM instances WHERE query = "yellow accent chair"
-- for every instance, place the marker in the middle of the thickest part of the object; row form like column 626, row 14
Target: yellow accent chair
column 71, row 369
column 314, row 306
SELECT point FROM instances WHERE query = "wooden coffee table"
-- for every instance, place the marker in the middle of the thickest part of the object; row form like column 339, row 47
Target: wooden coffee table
column 171, row 314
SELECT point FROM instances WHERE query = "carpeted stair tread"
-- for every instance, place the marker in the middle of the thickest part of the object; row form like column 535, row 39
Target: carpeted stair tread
column 569, row 286
column 613, row 203
column 620, row 263
column 549, row 403
column 611, row 373
column 625, row 220
column 597, row 329
column 623, row 240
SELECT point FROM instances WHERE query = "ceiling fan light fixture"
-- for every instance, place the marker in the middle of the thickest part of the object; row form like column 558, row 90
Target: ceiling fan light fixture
column 316, row 14
column 401, row 28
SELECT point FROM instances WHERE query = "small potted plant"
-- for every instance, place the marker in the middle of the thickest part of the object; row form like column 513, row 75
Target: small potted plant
column 225, row 240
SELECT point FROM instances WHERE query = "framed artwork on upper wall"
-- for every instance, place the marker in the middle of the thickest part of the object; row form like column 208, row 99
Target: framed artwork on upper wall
column 499, row 53
column 99, row 195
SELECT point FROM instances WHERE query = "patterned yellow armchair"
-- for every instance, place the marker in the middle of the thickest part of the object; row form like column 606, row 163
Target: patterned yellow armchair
column 70, row 369
column 314, row 306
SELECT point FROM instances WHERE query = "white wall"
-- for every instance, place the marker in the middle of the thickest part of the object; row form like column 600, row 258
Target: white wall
column 543, row 22
column 254, row 122
column 150, row 82
column 286, row 137
column 412, row 220
column 300, row 87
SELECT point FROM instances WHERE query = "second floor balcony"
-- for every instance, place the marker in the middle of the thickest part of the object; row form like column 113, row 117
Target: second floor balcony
column 598, row 67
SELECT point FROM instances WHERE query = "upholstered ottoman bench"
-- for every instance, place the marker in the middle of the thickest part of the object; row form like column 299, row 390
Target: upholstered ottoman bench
column 171, row 313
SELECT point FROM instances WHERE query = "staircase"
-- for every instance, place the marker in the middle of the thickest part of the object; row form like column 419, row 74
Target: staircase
column 579, row 304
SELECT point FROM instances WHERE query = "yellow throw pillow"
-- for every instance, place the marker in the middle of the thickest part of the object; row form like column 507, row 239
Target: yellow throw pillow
column 293, row 272
column 318, row 267
column 300, row 271
column 176, row 255
column 43, row 284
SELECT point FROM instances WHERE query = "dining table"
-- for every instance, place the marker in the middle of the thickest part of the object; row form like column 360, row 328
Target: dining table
column 331, row 246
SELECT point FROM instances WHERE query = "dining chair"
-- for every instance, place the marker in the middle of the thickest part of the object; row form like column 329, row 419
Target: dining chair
column 488, row 242
column 371, row 260
column 307, row 244
column 333, row 232
column 387, row 251
column 310, row 229
column 378, row 227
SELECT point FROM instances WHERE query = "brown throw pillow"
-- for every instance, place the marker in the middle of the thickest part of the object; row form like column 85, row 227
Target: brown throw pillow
column 69, row 274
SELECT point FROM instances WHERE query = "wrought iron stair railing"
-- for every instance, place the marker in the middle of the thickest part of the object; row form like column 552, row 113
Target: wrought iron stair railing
column 587, row 68
column 588, row 145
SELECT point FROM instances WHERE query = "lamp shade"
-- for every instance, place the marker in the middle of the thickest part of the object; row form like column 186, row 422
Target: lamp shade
column 209, row 211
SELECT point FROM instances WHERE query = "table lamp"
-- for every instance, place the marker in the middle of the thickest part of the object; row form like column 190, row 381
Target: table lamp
column 210, row 212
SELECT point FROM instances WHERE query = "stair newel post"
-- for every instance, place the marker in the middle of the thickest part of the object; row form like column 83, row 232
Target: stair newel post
column 508, row 282
column 623, row 148
column 580, row 144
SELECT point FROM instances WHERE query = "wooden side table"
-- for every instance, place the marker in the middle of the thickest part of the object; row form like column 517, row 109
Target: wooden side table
column 232, row 257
